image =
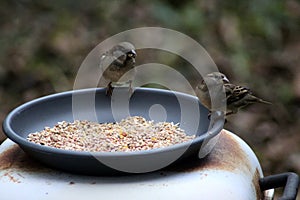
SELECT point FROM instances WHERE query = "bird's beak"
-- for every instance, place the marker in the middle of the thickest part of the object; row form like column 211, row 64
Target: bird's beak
column 225, row 80
column 131, row 54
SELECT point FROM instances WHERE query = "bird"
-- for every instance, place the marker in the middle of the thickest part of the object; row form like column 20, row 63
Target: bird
column 236, row 96
column 115, row 63
column 212, row 87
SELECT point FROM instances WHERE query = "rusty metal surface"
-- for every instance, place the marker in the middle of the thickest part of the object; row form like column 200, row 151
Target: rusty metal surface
column 231, row 169
column 227, row 155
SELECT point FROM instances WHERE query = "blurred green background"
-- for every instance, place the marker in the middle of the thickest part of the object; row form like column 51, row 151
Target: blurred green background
column 256, row 43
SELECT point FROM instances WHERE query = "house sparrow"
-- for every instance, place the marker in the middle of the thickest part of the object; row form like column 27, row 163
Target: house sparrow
column 236, row 96
column 212, row 87
column 115, row 63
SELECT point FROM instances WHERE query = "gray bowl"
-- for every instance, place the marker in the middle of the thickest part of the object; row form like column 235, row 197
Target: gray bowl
column 47, row 111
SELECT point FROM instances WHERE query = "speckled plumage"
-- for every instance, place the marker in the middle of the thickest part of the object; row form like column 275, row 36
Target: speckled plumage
column 117, row 62
column 236, row 96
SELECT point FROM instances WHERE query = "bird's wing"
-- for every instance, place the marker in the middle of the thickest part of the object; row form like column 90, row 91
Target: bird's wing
column 235, row 93
column 111, row 62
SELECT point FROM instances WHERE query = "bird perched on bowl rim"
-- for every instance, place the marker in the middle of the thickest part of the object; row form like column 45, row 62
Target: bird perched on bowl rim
column 212, row 88
column 236, row 96
column 118, row 66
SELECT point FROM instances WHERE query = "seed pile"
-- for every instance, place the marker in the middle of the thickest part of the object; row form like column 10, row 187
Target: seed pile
column 130, row 134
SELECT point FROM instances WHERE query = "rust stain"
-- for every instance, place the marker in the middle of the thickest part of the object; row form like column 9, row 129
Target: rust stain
column 14, row 161
column 255, row 182
column 14, row 158
column 226, row 155
column 8, row 157
column 11, row 177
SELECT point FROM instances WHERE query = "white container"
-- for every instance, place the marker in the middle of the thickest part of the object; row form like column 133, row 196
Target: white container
column 230, row 172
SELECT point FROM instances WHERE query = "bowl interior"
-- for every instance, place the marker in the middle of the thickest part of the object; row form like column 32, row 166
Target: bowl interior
column 152, row 104
column 94, row 105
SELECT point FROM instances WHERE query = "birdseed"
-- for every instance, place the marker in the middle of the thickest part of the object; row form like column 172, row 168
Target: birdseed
column 130, row 134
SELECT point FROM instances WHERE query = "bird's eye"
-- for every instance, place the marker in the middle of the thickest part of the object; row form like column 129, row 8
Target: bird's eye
column 131, row 55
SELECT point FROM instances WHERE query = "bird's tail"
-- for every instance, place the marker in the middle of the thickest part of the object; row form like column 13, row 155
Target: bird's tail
column 263, row 101
column 253, row 99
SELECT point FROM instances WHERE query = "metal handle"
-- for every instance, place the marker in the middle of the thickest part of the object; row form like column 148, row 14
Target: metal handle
column 289, row 180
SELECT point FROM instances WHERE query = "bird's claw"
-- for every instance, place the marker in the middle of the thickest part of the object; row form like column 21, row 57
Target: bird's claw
column 109, row 90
